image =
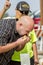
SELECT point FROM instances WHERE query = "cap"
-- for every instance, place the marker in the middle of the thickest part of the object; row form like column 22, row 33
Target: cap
column 23, row 6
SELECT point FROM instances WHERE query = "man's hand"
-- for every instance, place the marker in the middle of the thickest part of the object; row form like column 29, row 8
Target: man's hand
column 7, row 5
column 22, row 41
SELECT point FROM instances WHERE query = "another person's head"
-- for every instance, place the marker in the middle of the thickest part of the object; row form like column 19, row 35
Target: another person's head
column 24, row 25
column 22, row 8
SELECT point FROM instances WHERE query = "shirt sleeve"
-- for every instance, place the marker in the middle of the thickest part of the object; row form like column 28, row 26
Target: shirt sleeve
column 6, row 28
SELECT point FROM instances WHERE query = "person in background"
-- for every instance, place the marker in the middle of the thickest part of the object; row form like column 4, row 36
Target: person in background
column 22, row 9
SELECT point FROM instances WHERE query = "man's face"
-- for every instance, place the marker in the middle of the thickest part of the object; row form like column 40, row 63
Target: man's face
column 24, row 28
column 25, row 25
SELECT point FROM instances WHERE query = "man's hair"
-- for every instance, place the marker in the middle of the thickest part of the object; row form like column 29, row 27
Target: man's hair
column 23, row 7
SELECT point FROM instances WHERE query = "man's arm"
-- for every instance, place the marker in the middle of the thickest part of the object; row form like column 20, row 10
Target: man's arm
column 12, row 45
column 35, row 53
column 8, row 47
column 2, row 12
column 5, row 8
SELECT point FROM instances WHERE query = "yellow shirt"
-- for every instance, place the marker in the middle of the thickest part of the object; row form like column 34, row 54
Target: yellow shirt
column 27, row 48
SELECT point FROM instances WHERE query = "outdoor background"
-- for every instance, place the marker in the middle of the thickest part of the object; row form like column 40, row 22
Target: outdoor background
column 34, row 5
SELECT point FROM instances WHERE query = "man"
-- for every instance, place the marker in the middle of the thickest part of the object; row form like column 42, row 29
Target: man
column 21, row 15
column 10, row 28
column 11, row 37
